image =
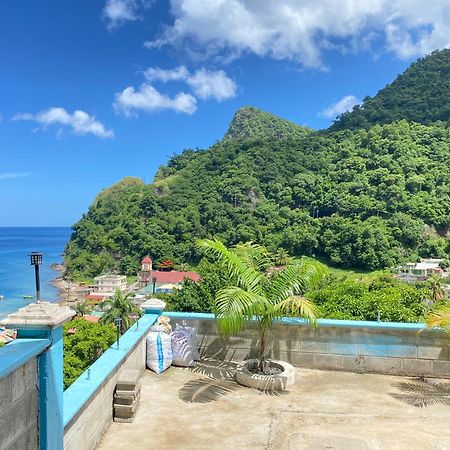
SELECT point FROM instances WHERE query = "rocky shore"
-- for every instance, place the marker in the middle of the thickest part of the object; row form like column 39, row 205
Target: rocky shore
column 68, row 291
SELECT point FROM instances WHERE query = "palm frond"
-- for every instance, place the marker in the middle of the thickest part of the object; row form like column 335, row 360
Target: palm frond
column 439, row 318
column 234, row 306
column 246, row 275
column 295, row 279
column 254, row 255
column 296, row 306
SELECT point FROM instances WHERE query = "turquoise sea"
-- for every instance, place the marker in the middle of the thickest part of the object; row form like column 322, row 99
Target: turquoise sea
column 16, row 273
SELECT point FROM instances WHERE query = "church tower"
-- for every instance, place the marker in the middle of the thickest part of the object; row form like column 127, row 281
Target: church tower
column 145, row 272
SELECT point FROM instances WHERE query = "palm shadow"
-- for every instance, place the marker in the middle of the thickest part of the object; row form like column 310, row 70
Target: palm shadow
column 205, row 390
column 219, row 381
column 214, row 368
column 423, row 392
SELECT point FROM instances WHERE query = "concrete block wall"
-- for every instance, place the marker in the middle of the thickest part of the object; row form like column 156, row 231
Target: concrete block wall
column 87, row 428
column 391, row 350
column 93, row 394
column 19, row 408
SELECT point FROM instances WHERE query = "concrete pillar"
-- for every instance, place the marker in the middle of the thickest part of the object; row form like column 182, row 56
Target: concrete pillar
column 38, row 321
column 153, row 306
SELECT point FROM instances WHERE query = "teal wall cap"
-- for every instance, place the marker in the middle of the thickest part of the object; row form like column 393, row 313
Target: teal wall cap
column 18, row 352
column 320, row 322
column 78, row 393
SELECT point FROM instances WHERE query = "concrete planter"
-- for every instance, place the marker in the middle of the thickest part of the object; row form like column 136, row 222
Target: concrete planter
column 266, row 382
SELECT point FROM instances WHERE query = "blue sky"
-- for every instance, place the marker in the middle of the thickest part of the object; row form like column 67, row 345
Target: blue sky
column 95, row 90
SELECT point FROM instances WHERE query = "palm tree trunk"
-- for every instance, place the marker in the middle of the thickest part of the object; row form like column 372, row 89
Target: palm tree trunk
column 262, row 348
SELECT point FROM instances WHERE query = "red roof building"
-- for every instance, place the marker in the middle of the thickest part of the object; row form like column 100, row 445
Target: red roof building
column 147, row 275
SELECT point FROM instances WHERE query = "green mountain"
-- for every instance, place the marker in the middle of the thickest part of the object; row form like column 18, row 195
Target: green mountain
column 421, row 94
column 252, row 123
column 364, row 198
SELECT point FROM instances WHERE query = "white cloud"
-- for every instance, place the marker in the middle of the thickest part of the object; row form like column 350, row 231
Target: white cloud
column 301, row 30
column 204, row 83
column 149, row 99
column 164, row 75
column 79, row 122
column 344, row 104
column 117, row 12
column 13, row 175
column 216, row 84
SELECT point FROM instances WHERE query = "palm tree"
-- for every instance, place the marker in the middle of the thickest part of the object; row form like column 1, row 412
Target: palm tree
column 439, row 318
column 253, row 293
column 119, row 305
column 82, row 309
column 435, row 287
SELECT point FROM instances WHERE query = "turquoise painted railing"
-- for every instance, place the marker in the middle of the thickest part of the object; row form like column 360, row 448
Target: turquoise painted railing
column 320, row 322
column 80, row 392
column 19, row 352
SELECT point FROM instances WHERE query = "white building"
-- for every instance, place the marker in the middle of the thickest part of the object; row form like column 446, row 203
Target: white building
column 421, row 270
column 109, row 283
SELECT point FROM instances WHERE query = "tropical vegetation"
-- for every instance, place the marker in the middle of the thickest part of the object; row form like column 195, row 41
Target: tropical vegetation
column 120, row 306
column 83, row 343
column 369, row 193
column 253, row 292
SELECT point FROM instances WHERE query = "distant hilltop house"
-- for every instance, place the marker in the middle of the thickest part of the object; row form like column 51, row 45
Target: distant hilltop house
column 160, row 281
column 420, row 271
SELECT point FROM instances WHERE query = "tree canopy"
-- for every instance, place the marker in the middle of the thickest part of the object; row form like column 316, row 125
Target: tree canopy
column 368, row 195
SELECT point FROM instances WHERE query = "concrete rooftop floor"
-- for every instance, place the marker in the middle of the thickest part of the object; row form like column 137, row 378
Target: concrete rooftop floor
column 203, row 408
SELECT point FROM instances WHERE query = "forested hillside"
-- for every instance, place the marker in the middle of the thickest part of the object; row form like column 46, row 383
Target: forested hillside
column 421, row 94
column 252, row 123
column 365, row 197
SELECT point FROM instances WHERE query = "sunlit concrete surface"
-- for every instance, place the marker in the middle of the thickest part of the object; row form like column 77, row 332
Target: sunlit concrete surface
column 203, row 408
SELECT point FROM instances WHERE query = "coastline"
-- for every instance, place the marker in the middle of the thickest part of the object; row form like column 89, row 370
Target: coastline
column 67, row 290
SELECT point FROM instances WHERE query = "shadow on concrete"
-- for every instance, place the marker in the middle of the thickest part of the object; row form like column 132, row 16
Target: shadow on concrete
column 423, row 392
column 205, row 390
column 216, row 369
column 219, row 382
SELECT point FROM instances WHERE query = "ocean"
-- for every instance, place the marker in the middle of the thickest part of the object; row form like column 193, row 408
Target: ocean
column 16, row 273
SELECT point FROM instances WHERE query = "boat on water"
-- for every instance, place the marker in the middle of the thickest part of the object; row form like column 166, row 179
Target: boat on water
column 2, row 297
column 28, row 296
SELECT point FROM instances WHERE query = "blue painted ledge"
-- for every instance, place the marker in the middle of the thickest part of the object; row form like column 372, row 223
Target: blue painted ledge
column 320, row 322
column 18, row 352
column 78, row 393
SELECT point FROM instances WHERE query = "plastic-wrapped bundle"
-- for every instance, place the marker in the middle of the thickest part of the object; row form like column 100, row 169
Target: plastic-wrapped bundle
column 159, row 351
column 184, row 346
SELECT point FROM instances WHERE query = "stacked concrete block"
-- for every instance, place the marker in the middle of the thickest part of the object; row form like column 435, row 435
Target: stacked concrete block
column 126, row 396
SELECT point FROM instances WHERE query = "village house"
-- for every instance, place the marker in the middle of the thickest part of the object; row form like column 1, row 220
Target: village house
column 110, row 283
column 160, row 281
column 420, row 271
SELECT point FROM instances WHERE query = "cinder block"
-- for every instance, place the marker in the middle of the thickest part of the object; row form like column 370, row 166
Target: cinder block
column 357, row 363
column 342, row 348
column 121, row 420
column 331, row 362
column 432, row 352
column 26, row 440
column 417, row 367
column 5, row 393
column 314, row 347
column 372, row 349
column 402, row 351
column 299, row 359
column 18, row 381
column 132, row 393
column 390, row 366
column 441, row 369
column 125, row 399
column 128, row 380
column 120, row 410
column 31, row 374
